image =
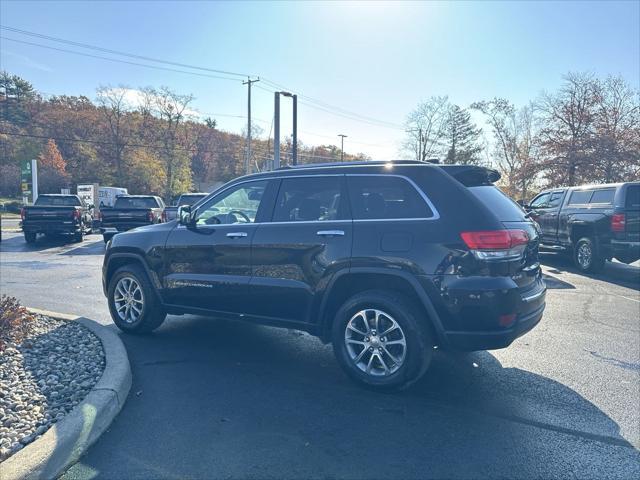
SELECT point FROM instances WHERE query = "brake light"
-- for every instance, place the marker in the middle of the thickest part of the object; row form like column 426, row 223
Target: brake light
column 99, row 216
column 496, row 244
column 23, row 213
column 76, row 215
column 164, row 216
column 618, row 222
column 151, row 217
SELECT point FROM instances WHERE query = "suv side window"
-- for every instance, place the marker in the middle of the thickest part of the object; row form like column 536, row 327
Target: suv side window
column 540, row 201
column 309, row 199
column 580, row 197
column 385, row 197
column 604, row 196
column 238, row 204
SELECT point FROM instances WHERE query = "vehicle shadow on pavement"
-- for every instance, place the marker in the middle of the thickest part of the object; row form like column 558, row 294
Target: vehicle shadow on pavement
column 214, row 399
column 17, row 243
column 614, row 272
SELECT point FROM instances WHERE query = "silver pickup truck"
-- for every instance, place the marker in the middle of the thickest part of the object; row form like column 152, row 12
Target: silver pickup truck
column 171, row 213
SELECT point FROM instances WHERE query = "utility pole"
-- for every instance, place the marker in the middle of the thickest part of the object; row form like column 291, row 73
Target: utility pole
column 247, row 160
column 276, row 131
column 342, row 136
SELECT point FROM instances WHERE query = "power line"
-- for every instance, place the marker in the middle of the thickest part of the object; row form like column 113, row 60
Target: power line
column 117, row 60
column 116, row 52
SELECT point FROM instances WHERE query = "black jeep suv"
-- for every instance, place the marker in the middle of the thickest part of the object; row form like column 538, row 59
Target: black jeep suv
column 386, row 260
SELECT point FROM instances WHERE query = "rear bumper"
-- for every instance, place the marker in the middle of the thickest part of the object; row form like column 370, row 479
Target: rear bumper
column 625, row 250
column 490, row 340
column 120, row 227
column 51, row 228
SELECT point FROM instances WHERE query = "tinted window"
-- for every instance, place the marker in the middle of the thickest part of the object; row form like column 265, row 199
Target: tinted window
column 633, row 197
column 385, row 197
column 189, row 199
column 136, row 202
column 308, row 199
column 238, row 204
column 502, row 206
column 603, row 196
column 541, row 200
column 58, row 201
column 555, row 200
column 580, row 197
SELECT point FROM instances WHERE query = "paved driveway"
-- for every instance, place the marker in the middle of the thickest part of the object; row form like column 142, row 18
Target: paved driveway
column 233, row 400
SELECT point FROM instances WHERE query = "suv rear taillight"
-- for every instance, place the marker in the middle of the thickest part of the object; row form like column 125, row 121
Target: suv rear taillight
column 151, row 217
column 496, row 244
column 618, row 222
column 164, row 216
column 76, row 214
column 23, row 213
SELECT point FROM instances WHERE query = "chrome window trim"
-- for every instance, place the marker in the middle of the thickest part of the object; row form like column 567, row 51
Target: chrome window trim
column 435, row 216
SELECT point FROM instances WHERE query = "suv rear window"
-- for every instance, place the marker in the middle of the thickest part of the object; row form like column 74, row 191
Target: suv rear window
column 603, row 196
column 504, row 208
column 580, row 197
column 633, row 197
column 136, row 202
column 58, row 201
column 310, row 199
column 385, row 197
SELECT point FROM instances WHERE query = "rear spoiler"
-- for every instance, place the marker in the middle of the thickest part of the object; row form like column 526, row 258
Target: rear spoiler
column 472, row 175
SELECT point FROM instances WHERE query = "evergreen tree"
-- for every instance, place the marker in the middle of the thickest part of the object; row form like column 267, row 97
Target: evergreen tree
column 460, row 139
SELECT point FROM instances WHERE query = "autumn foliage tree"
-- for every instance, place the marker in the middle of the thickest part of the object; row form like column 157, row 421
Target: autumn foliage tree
column 52, row 169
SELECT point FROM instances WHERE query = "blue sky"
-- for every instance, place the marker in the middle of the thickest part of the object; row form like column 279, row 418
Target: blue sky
column 378, row 59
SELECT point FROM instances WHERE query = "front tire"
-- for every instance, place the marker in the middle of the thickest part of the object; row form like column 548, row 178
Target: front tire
column 380, row 342
column 133, row 303
column 586, row 256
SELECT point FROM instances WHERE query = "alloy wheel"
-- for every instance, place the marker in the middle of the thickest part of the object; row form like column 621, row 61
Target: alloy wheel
column 585, row 255
column 375, row 342
column 128, row 299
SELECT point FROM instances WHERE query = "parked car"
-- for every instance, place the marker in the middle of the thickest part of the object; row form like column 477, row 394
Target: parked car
column 130, row 211
column 186, row 199
column 594, row 223
column 384, row 260
column 55, row 214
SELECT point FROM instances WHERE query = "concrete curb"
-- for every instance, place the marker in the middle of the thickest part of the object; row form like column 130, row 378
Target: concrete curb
column 67, row 440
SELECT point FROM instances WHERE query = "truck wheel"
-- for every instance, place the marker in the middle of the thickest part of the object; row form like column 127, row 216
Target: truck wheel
column 379, row 341
column 79, row 236
column 30, row 237
column 586, row 256
column 133, row 303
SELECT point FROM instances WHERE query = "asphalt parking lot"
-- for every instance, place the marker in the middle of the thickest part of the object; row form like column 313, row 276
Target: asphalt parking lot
column 212, row 398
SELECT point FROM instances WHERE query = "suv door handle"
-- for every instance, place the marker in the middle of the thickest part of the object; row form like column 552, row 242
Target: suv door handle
column 331, row 233
column 236, row 234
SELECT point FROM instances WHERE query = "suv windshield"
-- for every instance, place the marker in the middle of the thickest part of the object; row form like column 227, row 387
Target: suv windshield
column 136, row 202
column 505, row 209
column 69, row 201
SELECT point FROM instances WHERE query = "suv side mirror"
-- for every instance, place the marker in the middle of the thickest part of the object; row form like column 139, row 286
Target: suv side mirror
column 184, row 215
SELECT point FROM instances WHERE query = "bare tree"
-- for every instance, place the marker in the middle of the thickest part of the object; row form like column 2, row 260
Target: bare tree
column 114, row 108
column 425, row 128
column 567, row 129
column 617, row 131
column 172, row 109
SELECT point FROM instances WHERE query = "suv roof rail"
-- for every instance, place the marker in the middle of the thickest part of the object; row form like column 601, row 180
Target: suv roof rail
column 356, row 162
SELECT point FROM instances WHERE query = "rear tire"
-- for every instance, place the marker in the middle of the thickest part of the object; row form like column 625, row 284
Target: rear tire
column 394, row 353
column 133, row 303
column 586, row 256
column 30, row 237
column 78, row 236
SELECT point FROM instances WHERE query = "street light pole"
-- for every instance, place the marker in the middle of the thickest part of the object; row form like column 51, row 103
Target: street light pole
column 342, row 136
column 294, row 156
column 276, row 131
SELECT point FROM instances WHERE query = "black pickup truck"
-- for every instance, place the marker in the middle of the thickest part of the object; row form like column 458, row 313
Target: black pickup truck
column 594, row 223
column 130, row 211
column 188, row 199
column 57, row 214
